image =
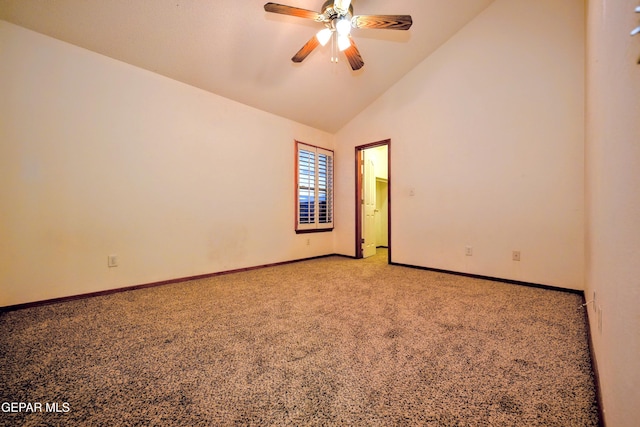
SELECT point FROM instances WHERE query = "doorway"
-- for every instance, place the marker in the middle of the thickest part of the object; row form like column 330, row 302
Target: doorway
column 373, row 198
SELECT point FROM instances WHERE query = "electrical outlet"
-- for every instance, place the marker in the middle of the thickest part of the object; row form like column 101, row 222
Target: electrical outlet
column 112, row 261
column 308, row 242
column 516, row 255
column 468, row 251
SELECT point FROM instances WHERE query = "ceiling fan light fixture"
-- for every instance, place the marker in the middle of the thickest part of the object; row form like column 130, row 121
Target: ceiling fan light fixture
column 338, row 18
column 324, row 36
column 343, row 42
column 343, row 27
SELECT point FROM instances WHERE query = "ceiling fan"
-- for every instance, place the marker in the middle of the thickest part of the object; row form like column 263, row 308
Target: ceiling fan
column 338, row 19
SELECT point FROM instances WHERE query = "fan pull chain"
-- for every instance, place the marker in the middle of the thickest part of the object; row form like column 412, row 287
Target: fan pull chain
column 334, row 49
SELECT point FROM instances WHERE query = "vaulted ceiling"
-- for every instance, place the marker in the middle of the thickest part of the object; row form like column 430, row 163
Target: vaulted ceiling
column 237, row 50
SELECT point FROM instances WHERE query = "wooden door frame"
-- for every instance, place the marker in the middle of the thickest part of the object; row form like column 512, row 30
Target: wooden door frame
column 358, row 199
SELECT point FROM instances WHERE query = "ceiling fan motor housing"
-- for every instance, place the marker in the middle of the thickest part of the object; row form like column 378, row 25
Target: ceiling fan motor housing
column 330, row 13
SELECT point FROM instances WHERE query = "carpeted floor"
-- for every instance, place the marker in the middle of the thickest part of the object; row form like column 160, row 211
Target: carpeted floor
column 332, row 341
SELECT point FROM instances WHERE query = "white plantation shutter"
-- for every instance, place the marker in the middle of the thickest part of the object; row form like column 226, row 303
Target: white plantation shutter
column 314, row 208
column 325, row 188
column 306, row 187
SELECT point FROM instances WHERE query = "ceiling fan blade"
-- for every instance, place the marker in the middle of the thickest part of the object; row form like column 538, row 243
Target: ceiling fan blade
column 306, row 50
column 293, row 11
column 353, row 55
column 382, row 22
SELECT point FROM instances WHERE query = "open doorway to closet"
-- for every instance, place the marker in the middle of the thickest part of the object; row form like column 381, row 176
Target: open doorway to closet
column 373, row 198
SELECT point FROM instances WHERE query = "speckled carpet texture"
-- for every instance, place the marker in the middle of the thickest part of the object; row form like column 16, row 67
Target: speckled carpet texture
column 331, row 341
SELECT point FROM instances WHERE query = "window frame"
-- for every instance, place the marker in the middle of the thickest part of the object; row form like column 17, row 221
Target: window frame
column 316, row 226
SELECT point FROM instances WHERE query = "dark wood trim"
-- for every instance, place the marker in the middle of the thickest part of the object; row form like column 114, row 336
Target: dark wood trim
column 594, row 364
column 374, row 144
column 358, row 201
column 358, row 239
column 275, row 264
column 151, row 285
column 314, row 230
column 296, row 183
column 493, row 279
column 389, row 200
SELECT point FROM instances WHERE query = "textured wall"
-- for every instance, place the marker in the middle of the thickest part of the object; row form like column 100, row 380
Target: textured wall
column 488, row 135
column 613, row 204
column 98, row 157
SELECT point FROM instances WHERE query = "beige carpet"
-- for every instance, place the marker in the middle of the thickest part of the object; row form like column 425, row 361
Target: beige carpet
column 331, row 341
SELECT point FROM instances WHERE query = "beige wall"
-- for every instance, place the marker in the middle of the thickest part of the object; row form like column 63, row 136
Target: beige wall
column 613, row 204
column 98, row 157
column 488, row 134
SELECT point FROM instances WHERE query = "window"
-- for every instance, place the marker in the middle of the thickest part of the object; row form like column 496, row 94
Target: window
column 314, row 188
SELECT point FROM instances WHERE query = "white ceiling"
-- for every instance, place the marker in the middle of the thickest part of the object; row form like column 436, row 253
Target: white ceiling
column 237, row 50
